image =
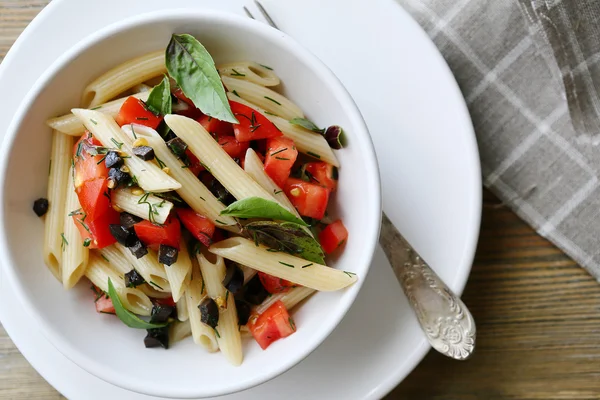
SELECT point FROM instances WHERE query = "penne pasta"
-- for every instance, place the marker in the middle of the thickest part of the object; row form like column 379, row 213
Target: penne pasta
column 179, row 331
column 179, row 273
column 307, row 142
column 147, row 174
column 115, row 258
column 192, row 191
column 149, row 267
column 60, row 163
column 227, row 330
column 99, row 271
column 283, row 265
column 203, row 334
column 182, row 311
column 263, row 97
column 153, row 293
column 123, row 77
column 251, row 72
column 145, row 205
column 289, row 298
column 215, row 159
column 255, row 168
column 75, row 255
column 248, row 272
column 69, row 124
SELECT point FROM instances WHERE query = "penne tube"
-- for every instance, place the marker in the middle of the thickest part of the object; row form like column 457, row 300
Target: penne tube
column 75, row 255
column 192, row 191
column 123, row 77
column 203, row 334
column 182, row 310
column 149, row 267
column 215, row 159
column 307, row 142
column 69, row 124
column 289, row 298
column 179, row 331
column 179, row 273
column 283, row 265
column 58, row 184
column 99, row 271
column 145, row 205
column 255, row 168
column 147, row 174
column 115, row 258
column 263, row 97
column 153, row 293
column 227, row 329
column 251, row 72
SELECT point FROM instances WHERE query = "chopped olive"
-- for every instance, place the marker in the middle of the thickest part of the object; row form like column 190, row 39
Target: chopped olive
column 167, row 255
column 113, row 160
column 129, row 220
column 221, row 193
column 133, row 279
column 123, row 235
column 158, row 337
column 138, row 249
column 209, row 312
column 177, row 146
column 146, row 153
column 117, row 177
column 161, row 313
column 255, row 292
column 234, row 278
column 243, row 311
column 40, row 207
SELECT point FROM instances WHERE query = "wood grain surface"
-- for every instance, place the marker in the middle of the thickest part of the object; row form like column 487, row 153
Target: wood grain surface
column 537, row 312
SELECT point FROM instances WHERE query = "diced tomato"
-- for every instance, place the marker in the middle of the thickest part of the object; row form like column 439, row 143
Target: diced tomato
column 153, row 235
column 280, row 157
column 179, row 94
column 134, row 111
column 167, row 301
column 232, row 147
column 215, row 126
column 194, row 164
column 273, row 324
column 87, row 167
column 103, row 302
column 199, row 226
column 252, row 124
column 333, row 236
column 323, row 174
column 309, row 199
column 273, row 284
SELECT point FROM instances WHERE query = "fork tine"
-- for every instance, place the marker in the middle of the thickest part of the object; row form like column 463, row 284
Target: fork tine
column 265, row 14
column 248, row 13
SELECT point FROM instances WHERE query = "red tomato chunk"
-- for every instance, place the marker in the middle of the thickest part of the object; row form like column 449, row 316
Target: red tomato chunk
column 232, row 147
column 280, row 157
column 103, row 302
column 252, row 124
column 333, row 236
column 153, row 235
column 309, row 199
column 273, row 284
column 323, row 174
column 273, row 324
column 215, row 126
column 134, row 111
column 199, row 226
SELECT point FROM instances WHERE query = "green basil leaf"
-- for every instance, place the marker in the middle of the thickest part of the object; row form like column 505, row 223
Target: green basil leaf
column 128, row 318
column 303, row 122
column 192, row 67
column 256, row 207
column 287, row 237
column 159, row 100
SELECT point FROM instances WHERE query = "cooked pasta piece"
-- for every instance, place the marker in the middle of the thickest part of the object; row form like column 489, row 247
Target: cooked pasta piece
column 115, row 258
column 75, row 255
column 153, row 293
column 215, row 159
column 148, row 267
column 248, row 272
column 69, row 124
column 182, row 310
column 99, row 271
column 250, row 71
column 179, row 273
column 255, row 168
column 203, row 334
column 263, row 97
column 283, row 265
column 141, row 88
column 289, row 298
column 307, row 142
column 145, row 205
column 179, row 331
column 123, row 77
column 227, row 330
column 60, row 163
column 192, row 191
column 104, row 128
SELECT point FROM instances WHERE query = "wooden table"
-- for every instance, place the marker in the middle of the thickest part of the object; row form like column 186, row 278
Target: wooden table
column 537, row 312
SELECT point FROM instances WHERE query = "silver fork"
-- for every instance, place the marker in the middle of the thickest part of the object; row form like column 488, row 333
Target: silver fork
column 444, row 318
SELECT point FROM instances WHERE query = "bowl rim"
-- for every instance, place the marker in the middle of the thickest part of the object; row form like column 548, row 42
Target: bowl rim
column 348, row 106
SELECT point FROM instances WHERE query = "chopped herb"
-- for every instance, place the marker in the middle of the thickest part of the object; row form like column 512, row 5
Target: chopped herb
column 102, row 159
column 141, row 118
column 202, row 288
column 151, row 207
column 217, row 333
column 64, row 241
column 87, row 242
column 105, row 259
column 286, row 264
column 273, row 100
column 84, row 225
column 205, row 166
column 154, row 284
column 99, row 293
column 278, row 151
column 49, row 167
column 292, row 324
column 310, row 153
column 75, row 212
column 79, row 148
column 282, row 158
column 275, row 191
column 133, row 132
column 226, row 296
column 202, row 198
column 270, row 113
column 96, row 108
column 273, row 250
column 235, row 73
column 161, row 164
column 236, row 93
column 118, row 144
column 264, row 66
column 307, row 265
column 220, row 222
column 350, row 274
column 93, row 121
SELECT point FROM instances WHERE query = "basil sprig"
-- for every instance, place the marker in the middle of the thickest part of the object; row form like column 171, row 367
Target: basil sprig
column 257, row 207
column 193, row 68
column 159, row 100
column 307, row 124
column 126, row 316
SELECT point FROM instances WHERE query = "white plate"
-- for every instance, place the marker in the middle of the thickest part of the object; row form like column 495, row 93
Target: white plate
column 430, row 173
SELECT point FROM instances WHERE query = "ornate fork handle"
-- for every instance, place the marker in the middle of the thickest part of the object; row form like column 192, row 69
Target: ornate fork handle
column 446, row 321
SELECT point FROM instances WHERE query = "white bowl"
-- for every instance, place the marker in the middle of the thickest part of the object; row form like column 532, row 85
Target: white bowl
column 102, row 344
